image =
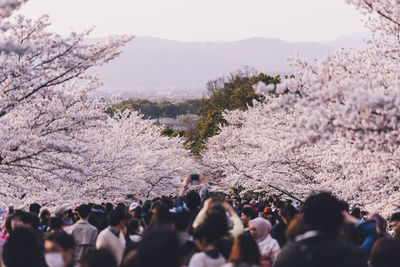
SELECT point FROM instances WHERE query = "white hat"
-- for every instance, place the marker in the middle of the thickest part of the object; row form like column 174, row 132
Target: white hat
column 132, row 206
column 60, row 210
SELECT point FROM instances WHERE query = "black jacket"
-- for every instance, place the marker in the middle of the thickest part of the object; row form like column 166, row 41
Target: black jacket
column 321, row 251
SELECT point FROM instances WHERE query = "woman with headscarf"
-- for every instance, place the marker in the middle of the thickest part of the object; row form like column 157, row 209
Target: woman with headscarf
column 260, row 230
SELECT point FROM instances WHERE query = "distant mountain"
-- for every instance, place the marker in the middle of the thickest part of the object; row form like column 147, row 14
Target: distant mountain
column 353, row 40
column 153, row 65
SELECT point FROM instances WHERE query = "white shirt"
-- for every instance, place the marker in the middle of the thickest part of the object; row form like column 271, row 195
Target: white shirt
column 110, row 241
column 269, row 244
column 135, row 238
column 201, row 259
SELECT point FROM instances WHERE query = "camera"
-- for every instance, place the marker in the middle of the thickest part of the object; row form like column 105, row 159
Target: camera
column 217, row 197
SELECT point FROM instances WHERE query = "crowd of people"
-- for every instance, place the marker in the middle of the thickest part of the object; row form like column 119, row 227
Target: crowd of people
column 200, row 228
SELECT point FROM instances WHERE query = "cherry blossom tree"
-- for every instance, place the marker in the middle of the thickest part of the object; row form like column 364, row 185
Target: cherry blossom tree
column 45, row 102
column 341, row 116
column 130, row 155
column 58, row 145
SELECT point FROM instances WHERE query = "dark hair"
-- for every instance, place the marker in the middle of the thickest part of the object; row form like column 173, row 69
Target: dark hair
column 181, row 220
column 132, row 226
column 288, row 212
column 121, row 206
column 217, row 219
column 250, row 212
column 395, row 217
column 109, row 207
column 63, row 239
column 192, row 200
column 98, row 220
column 115, row 217
column 356, row 212
column 24, row 217
column 99, row 258
column 206, row 231
column 279, row 204
column 146, row 206
column 164, row 242
column 43, row 214
column 155, row 199
column 245, row 250
column 84, row 211
column 385, row 253
column 167, row 202
column 161, row 216
column 35, row 208
column 55, row 223
column 323, row 212
column 22, row 249
column 7, row 225
column 345, row 206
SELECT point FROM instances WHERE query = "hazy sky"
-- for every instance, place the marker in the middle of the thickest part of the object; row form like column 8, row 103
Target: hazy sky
column 203, row 20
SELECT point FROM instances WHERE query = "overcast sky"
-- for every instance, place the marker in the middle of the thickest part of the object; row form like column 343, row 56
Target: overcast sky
column 203, row 20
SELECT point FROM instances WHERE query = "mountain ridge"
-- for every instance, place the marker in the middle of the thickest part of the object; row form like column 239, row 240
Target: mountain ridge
column 152, row 63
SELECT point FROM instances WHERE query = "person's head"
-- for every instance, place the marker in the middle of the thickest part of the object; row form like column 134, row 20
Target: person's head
column 288, row 213
column 75, row 215
column 247, row 215
column 217, row 218
column 133, row 227
column 22, row 218
column 259, row 228
column 62, row 213
column 34, row 209
column 22, row 249
column 182, row 221
column 45, row 215
column 55, row 224
column 385, row 253
column 109, row 207
column 323, row 212
column 146, row 206
column 121, row 206
column 158, row 247
column 279, row 204
column 117, row 218
column 7, row 225
column 167, row 201
column 245, row 250
column 395, row 221
column 84, row 211
column 98, row 209
column 205, row 235
column 356, row 212
column 59, row 249
column 161, row 216
column 132, row 209
column 99, row 258
column 192, row 200
column 268, row 214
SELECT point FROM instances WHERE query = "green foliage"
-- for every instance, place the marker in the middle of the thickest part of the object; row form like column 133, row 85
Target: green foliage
column 167, row 131
column 154, row 110
column 229, row 93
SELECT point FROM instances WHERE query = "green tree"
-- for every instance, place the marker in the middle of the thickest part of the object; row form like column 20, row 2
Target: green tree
column 228, row 93
column 154, row 110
